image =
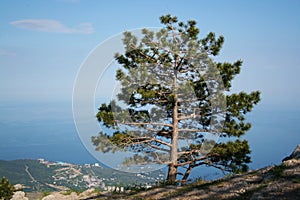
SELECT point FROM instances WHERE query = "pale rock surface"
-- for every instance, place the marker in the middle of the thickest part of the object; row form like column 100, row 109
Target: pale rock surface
column 87, row 193
column 19, row 195
column 59, row 196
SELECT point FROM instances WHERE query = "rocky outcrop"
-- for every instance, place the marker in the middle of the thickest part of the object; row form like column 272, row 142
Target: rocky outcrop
column 60, row 196
column 88, row 194
column 295, row 154
column 19, row 195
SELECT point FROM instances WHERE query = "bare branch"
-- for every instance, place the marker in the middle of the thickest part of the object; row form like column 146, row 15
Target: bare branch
column 159, row 148
column 199, row 130
column 188, row 152
column 149, row 139
column 161, row 142
column 143, row 123
column 192, row 161
column 192, row 116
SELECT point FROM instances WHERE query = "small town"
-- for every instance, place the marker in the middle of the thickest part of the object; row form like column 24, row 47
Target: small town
column 67, row 175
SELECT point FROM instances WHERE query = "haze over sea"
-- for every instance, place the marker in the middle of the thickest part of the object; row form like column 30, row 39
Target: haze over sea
column 40, row 130
column 46, row 130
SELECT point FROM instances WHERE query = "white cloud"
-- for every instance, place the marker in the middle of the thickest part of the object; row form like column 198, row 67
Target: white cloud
column 5, row 52
column 48, row 25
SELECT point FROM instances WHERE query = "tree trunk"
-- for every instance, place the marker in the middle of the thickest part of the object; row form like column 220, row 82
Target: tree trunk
column 174, row 141
column 172, row 173
column 187, row 174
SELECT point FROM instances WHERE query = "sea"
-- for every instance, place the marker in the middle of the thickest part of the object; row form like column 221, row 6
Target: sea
column 33, row 130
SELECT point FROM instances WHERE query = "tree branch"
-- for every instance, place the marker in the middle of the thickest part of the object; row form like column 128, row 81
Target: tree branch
column 188, row 152
column 143, row 123
column 158, row 148
column 161, row 142
column 191, row 161
column 199, row 130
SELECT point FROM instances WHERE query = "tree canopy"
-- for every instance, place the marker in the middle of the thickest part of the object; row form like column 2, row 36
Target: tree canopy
column 175, row 106
column 6, row 189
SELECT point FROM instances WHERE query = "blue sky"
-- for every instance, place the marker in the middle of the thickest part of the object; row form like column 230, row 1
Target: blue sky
column 43, row 43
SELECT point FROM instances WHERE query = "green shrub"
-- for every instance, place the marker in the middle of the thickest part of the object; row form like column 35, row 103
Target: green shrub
column 277, row 170
column 6, row 189
column 68, row 192
column 46, row 193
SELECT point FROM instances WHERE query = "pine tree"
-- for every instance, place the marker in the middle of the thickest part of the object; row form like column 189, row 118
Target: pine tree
column 6, row 189
column 175, row 101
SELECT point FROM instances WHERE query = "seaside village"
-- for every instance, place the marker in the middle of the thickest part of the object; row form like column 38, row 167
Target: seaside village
column 83, row 175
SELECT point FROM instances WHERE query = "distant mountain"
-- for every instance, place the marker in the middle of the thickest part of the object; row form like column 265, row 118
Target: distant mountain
column 42, row 175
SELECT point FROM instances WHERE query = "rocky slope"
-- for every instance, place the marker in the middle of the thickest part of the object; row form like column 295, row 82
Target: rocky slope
column 274, row 182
